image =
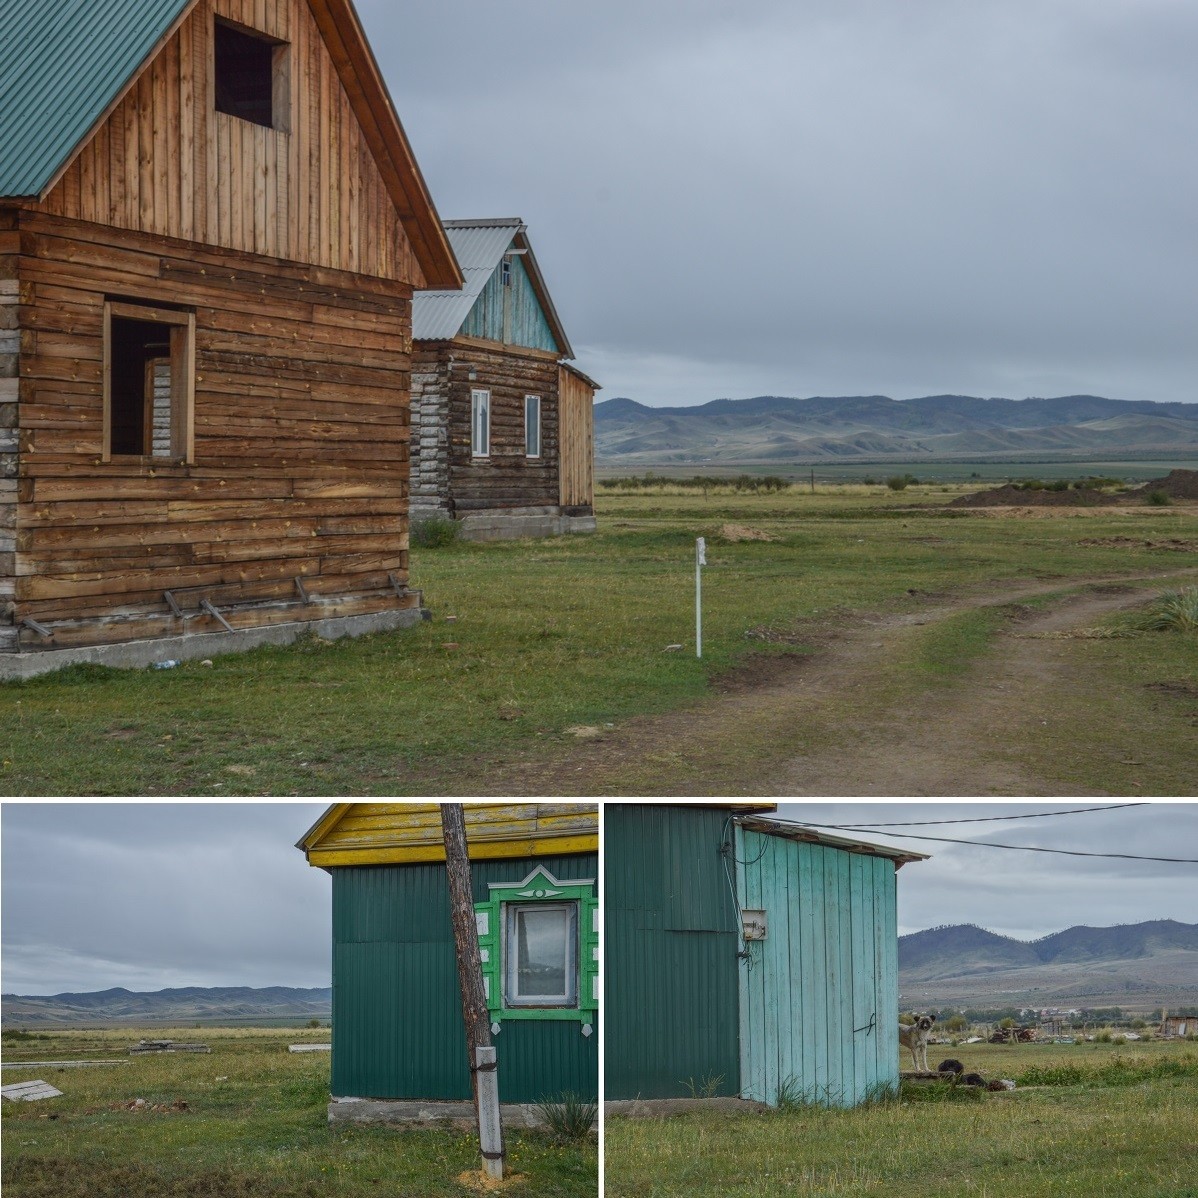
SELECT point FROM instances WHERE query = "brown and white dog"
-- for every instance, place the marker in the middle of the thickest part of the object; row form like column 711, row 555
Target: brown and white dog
column 915, row 1037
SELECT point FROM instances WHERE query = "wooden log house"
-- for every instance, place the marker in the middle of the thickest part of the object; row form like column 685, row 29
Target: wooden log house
column 503, row 436
column 211, row 227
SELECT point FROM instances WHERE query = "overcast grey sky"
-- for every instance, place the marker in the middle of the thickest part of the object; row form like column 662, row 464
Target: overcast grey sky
column 833, row 197
column 1027, row 895
column 152, row 895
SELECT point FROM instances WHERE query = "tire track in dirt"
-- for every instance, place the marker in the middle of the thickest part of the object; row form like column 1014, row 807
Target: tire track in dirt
column 812, row 725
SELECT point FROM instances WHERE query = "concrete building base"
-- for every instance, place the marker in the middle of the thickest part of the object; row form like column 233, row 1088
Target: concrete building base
column 413, row 1113
column 657, row 1107
column 512, row 523
column 133, row 655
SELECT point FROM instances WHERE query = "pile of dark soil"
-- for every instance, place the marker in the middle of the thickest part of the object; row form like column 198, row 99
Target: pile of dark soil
column 1177, row 484
column 1009, row 496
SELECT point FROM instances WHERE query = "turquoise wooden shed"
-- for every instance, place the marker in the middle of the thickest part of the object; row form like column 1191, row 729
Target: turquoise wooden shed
column 747, row 957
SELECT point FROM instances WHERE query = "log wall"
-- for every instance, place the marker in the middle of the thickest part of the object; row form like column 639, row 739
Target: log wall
column 507, row 478
column 301, row 440
column 167, row 162
column 10, row 346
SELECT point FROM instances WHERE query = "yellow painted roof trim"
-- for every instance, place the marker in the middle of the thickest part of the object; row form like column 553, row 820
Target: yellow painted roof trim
column 402, row 833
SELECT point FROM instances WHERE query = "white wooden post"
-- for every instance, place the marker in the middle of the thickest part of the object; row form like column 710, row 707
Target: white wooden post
column 490, row 1132
column 700, row 562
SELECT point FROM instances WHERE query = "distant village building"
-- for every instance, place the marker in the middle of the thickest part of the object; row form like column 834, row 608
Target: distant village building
column 211, row 228
column 1173, row 1027
column 747, row 957
column 398, row 1036
column 503, row 435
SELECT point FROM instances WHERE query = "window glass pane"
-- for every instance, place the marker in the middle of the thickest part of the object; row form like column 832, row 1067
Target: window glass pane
column 542, row 953
column 532, row 426
column 480, row 433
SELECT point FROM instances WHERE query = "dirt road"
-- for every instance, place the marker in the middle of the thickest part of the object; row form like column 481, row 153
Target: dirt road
column 819, row 723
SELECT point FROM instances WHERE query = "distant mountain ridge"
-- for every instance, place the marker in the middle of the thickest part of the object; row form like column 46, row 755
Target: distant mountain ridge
column 183, row 1003
column 773, row 429
column 1153, row 963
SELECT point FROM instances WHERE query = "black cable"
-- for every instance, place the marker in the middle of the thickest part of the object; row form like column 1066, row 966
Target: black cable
column 1023, row 848
column 1030, row 815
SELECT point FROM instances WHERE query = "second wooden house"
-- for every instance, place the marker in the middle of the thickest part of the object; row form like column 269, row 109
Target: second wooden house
column 502, row 428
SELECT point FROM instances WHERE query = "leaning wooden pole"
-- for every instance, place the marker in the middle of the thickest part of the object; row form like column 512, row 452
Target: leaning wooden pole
column 483, row 1068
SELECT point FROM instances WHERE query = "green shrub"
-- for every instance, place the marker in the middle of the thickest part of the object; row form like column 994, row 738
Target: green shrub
column 434, row 532
column 900, row 482
column 1158, row 498
column 569, row 1119
column 1173, row 611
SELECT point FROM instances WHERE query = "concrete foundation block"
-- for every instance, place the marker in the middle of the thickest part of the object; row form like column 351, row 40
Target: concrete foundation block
column 414, row 1113
column 134, row 655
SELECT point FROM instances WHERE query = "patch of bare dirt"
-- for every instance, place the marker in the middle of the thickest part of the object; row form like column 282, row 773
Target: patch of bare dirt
column 1163, row 545
column 1012, row 496
column 742, row 532
column 1177, row 484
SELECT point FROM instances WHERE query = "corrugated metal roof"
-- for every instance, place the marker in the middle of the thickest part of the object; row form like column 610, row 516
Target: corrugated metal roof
column 794, row 831
column 479, row 246
column 62, row 63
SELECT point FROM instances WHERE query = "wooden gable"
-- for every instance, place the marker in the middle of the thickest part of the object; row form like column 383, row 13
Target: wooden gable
column 394, row 833
column 332, row 185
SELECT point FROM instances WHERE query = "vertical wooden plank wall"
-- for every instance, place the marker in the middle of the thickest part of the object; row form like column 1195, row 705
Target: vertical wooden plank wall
column 576, row 406
column 167, row 162
column 819, row 998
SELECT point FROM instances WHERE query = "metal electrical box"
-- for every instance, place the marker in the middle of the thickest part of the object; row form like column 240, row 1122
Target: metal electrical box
column 752, row 922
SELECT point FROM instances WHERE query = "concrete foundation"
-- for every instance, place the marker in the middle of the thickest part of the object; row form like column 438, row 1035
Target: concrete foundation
column 413, row 1113
column 510, row 524
column 657, row 1107
column 134, row 655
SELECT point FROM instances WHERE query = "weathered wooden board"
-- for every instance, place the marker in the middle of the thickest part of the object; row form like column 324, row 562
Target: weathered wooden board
column 307, row 191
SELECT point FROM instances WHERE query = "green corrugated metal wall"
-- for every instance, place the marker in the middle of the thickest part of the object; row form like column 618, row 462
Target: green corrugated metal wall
column 819, row 995
column 397, row 1014
column 670, row 961
column 527, row 323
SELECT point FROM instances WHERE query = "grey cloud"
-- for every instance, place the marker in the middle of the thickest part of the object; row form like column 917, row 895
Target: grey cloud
column 201, row 894
column 846, row 197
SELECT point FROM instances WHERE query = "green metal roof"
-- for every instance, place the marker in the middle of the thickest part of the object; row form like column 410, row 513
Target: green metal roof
column 62, row 63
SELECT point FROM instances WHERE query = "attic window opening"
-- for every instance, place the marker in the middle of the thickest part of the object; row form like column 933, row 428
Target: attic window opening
column 149, row 382
column 505, row 272
column 251, row 76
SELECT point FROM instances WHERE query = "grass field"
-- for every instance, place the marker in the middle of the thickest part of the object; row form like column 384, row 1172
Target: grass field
column 556, row 634
column 255, row 1127
column 1120, row 1122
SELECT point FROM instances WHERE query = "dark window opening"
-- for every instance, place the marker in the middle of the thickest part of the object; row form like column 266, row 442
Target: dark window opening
column 141, row 387
column 247, row 75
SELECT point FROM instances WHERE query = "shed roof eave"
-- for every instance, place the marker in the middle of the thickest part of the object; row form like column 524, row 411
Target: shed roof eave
column 797, row 831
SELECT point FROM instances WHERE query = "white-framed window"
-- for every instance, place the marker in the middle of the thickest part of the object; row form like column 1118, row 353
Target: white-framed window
column 148, row 382
column 532, row 426
column 540, row 954
column 480, row 423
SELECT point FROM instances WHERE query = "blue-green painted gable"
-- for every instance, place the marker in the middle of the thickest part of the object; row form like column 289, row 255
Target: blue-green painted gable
column 528, row 325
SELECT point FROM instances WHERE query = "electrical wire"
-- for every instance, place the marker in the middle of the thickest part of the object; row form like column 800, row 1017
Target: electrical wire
column 1023, row 848
column 1029, row 815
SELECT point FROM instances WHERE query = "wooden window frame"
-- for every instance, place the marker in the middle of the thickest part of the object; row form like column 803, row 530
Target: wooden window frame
column 475, row 451
column 539, row 409
column 183, row 381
